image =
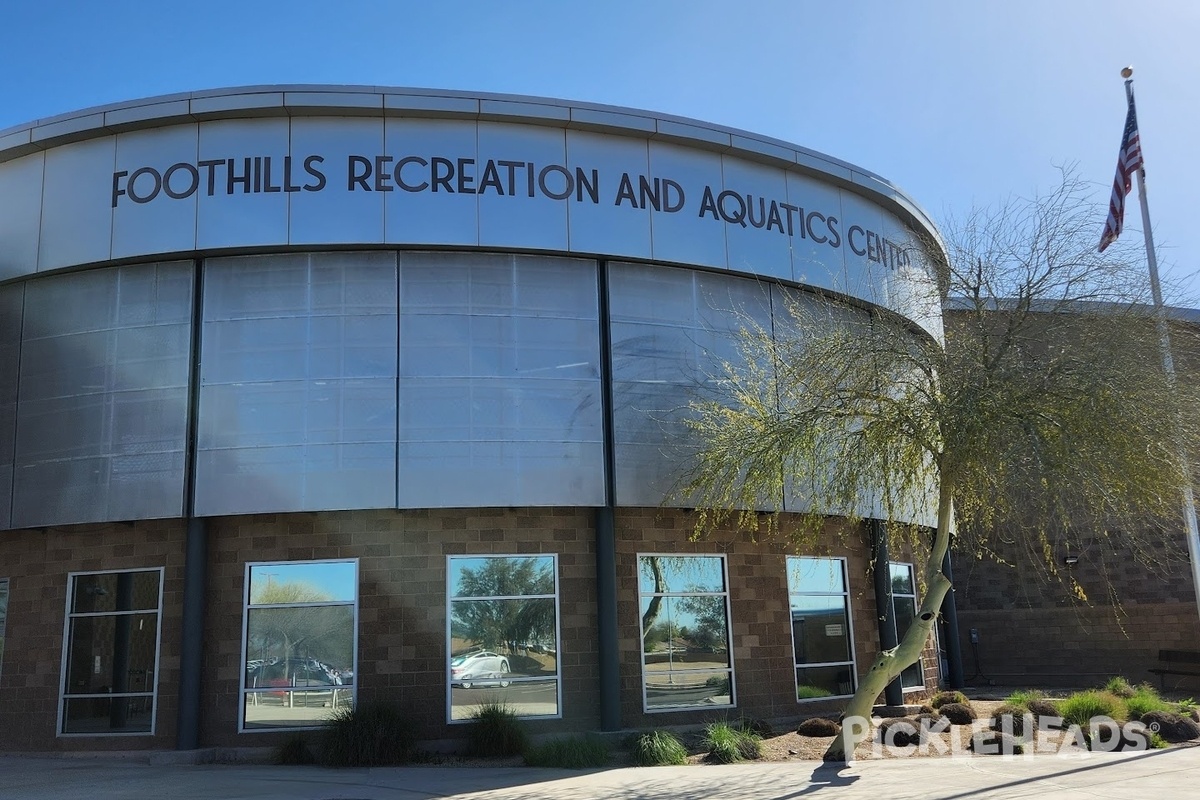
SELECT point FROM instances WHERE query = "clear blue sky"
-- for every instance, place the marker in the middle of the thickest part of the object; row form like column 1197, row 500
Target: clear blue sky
column 959, row 103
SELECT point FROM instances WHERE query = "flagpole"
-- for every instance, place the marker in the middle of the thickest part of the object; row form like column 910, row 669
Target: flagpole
column 1164, row 336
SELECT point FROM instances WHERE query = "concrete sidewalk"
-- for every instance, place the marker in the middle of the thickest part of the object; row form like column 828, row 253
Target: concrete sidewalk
column 1164, row 774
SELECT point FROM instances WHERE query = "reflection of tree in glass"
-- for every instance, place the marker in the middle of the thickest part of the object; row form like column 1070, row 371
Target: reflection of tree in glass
column 683, row 574
column 511, row 623
column 708, row 631
column 299, row 634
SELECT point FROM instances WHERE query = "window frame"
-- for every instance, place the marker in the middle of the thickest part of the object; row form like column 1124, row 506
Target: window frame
column 733, row 693
column 558, row 643
column 69, row 615
column 896, row 596
column 242, row 693
column 845, row 593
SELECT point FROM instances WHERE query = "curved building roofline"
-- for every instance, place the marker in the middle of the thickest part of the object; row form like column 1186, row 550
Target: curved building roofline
column 295, row 100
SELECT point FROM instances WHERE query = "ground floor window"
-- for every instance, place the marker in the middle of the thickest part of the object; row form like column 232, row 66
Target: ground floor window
column 110, row 653
column 904, row 601
column 686, row 654
column 300, row 620
column 502, row 635
column 822, row 636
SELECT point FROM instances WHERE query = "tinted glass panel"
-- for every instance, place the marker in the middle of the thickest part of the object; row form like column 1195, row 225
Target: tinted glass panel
column 501, row 577
column 682, row 574
column 820, row 629
column 112, row 654
column 108, row 714
column 301, row 708
column 815, row 682
column 307, row 644
column 816, row 575
column 666, row 689
column 535, row 698
column 303, row 583
column 115, row 591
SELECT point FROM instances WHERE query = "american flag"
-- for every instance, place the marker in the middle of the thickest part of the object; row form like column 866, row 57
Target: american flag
column 1129, row 159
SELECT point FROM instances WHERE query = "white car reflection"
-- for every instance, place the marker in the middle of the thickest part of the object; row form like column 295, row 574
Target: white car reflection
column 481, row 667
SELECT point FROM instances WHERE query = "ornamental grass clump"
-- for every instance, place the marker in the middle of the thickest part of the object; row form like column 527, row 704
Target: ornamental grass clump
column 376, row 734
column 495, row 732
column 657, row 749
column 1081, row 707
column 728, row 744
column 1144, row 699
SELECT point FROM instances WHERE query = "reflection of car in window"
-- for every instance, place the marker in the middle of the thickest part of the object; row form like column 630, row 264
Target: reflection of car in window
column 478, row 667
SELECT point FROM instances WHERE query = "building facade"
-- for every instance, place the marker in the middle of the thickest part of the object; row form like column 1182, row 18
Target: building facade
column 311, row 396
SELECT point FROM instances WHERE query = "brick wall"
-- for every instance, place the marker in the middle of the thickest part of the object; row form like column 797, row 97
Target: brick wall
column 37, row 563
column 402, row 612
column 1034, row 630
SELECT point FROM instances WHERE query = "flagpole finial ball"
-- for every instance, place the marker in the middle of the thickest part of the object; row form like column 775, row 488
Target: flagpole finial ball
column 1127, row 73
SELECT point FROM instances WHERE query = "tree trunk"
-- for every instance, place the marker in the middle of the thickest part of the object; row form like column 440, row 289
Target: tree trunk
column 889, row 664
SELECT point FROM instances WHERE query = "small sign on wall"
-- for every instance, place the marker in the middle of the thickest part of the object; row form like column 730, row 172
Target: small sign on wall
column 834, row 630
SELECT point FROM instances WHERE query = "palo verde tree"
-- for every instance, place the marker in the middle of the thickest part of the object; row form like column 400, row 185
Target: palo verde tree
column 1046, row 411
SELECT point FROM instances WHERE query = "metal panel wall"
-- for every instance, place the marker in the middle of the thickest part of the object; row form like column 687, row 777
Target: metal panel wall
column 671, row 328
column 499, row 382
column 156, row 225
column 12, row 298
column 610, row 227
column 339, row 216
column 77, row 214
column 524, row 216
column 297, row 384
column 429, row 215
column 242, row 211
column 20, row 215
column 102, row 402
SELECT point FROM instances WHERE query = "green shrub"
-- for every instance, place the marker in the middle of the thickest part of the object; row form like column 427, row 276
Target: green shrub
column 495, row 732
column 574, row 752
column 728, row 744
column 656, row 749
column 367, row 735
column 1120, row 687
column 1157, row 742
column 944, row 698
column 1186, row 707
column 294, row 752
column 806, row 692
column 1145, row 699
column 1023, row 697
column 1081, row 707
